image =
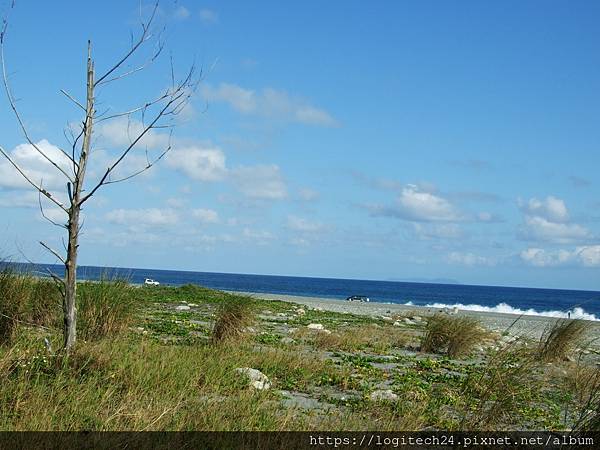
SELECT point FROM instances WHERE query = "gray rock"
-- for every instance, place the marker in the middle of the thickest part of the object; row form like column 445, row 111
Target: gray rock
column 258, row 380
column 182, row 308
column 288, row 340
column 315, row 326
column 397, row 323
column 300, row 312
column 383, row 395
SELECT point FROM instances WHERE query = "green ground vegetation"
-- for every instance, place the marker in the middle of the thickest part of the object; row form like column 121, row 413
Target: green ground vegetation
column 164, row 358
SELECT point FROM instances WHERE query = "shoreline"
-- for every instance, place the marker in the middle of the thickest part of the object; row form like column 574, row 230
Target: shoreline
column 531, row 326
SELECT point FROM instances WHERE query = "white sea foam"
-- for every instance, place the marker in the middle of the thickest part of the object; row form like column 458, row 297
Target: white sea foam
column 576, row 313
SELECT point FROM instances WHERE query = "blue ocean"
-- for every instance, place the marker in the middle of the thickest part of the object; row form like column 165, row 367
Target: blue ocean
column 549, row 302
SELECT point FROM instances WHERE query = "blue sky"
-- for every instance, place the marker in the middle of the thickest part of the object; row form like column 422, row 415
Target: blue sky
column 380, row 140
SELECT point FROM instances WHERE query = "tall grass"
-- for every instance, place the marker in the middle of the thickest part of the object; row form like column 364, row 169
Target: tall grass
column 453, row 336
column 234, row 315
column 105, row 308
column 496, row 394
column 26, row 300
column 560, row 338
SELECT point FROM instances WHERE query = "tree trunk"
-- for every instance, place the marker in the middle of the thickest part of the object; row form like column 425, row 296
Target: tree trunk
column 69, row 305
column 70, row 296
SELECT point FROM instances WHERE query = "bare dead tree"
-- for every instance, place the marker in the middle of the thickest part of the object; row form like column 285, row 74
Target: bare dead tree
column 156, row 113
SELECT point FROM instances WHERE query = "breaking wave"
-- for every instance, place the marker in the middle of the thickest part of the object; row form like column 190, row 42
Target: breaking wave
column 576, row 313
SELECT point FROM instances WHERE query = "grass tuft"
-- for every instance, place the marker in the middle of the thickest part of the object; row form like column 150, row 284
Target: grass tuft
column 560, row 338
column 234, row 315
column 453, row 336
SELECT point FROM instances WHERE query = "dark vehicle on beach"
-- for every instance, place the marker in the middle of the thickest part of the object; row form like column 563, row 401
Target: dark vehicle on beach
column 357, row 298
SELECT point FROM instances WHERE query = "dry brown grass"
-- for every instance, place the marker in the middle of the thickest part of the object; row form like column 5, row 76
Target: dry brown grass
column 560, row 338
column 453, row 336
column 377, row 338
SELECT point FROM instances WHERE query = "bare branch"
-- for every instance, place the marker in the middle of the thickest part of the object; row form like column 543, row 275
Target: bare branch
column 54, row 252
column 13, row 106
column 39, row 188
column 139, row 172
column 44, row 215
column 70, row 97
column 134, row 110
column 173, row 105
column 137, row 69
column 143, row 38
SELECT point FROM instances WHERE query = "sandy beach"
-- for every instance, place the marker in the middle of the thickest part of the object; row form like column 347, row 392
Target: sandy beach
column 518, row 325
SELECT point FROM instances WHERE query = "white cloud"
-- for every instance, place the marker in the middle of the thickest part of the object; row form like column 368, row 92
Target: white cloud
column 308, row 195
column 260, row 181
column 302, row 225
column 417, row 205
column 469, row 259
column 541, row 229
column 587, row 256
column 205, row 215
column 438, row 231
column 270, row 103
column 181, row 13
column 120, row 133
column 199, row 163
column 20, row 200
column 261, row 237
column 176, row 203
column 548, row 221
column 552, row 209
column 35, row 166
column 151, row 217
column 208, row 16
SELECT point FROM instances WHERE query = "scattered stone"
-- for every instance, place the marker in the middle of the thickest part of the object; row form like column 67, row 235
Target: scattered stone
column 315, row 326
column 417, row 318
column 292, row 330
column 302, row 401
column 383, row 395
column 324, row 331
column 318, row 308
column 387, row 319
column 397, row 323
column 192, row 304
column 288, row 341
column 182, row 308
column 282, row 315
column 258, row 380
column 251, row 330
column 300, row 312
